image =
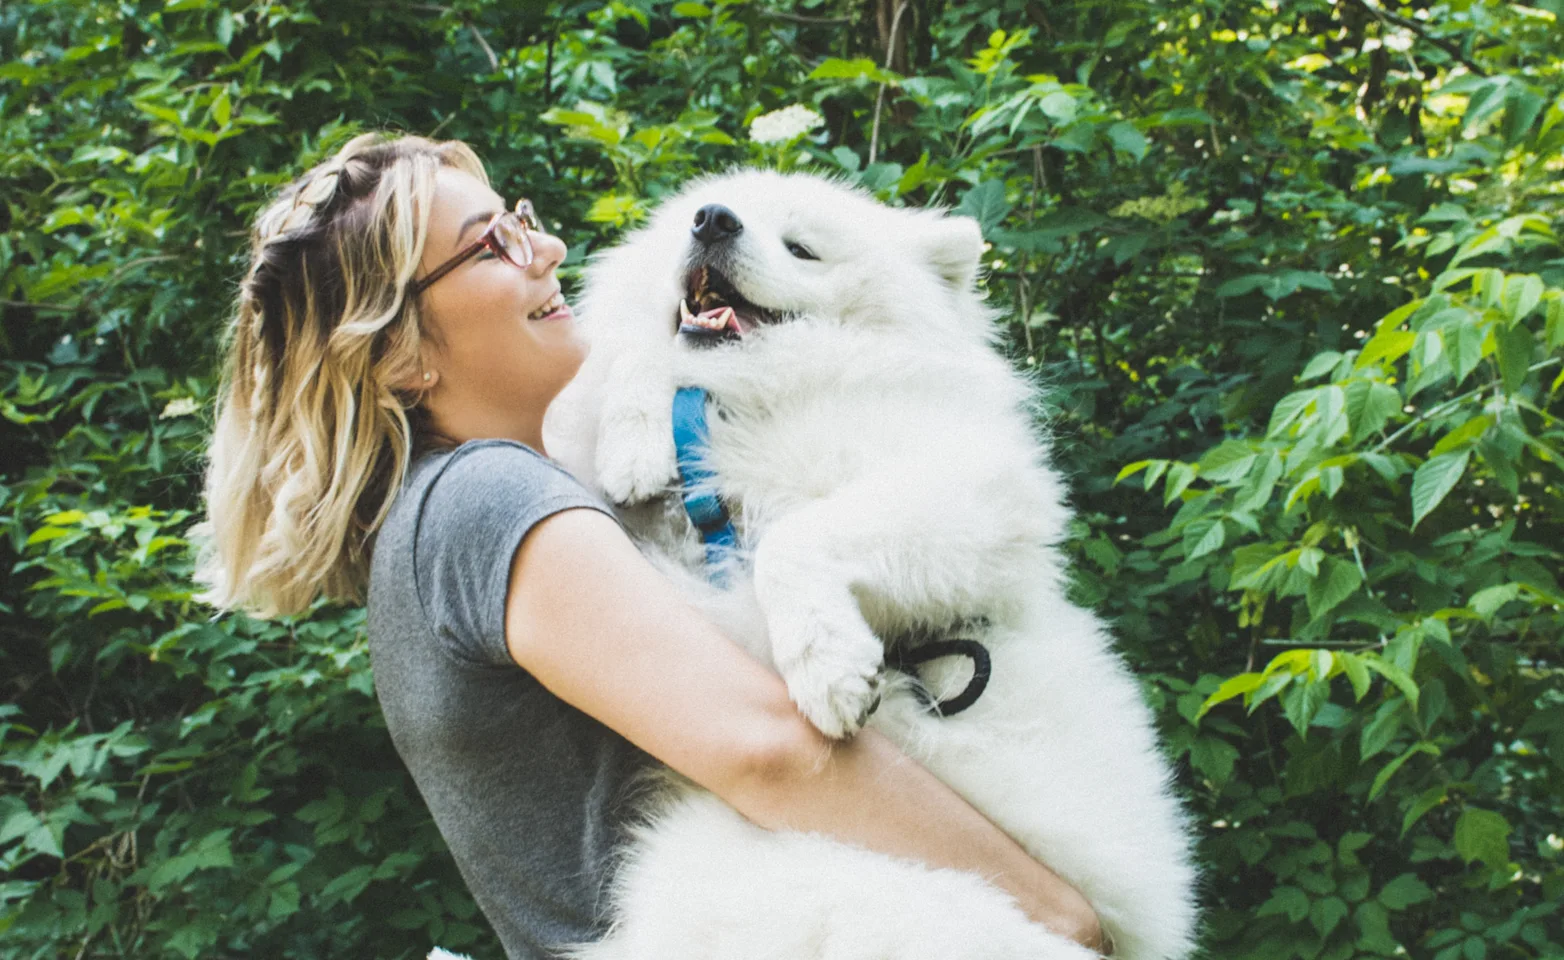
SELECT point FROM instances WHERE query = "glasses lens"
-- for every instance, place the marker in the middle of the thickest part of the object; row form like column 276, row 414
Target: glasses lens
column 513, row 241
column 529, row 216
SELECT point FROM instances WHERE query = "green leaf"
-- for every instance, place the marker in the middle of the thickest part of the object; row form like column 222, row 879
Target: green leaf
column 1555, row 311
column 1128, row 140
column 1302, row 702
column 1483, row 835
column 1374, row 926
column 1327, row 914
column 1521, row 296
column 1230, row 688
column 1288, row 901
column 1357, row 673
column 1464, row 435
column 1180, row 476
column 986, row 204
column 1486, row 602
column 1287, row 410
column 1338, row 581
column 45, row 534
column 1390, row 768
column 347, row 886
column 1215, row 758
column 1322, row 364
column 1431, row 798
column 1434, row 480
column 1129, row 470
column 46, row 838
column 1227, row 462
column 284, row 901
column 862, row 68
column 1386, row 347
column 1488, row 100
column 1404, row 891
column 1515, row 346
column 1211, row 541
column 1464, row 347
column 1059, row 106
column 1398, row 677
column 1370, row 405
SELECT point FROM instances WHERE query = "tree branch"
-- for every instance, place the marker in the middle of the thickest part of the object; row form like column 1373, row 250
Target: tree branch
column 879, row 98
column 799, row 18
column 29, row 305
column 494, row 61
column 1453, row 49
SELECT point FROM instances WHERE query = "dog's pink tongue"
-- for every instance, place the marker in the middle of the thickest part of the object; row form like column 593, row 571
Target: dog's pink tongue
column 720, row 318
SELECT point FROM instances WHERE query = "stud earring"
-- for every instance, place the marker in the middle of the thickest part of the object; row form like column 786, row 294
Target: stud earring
column 427, row 375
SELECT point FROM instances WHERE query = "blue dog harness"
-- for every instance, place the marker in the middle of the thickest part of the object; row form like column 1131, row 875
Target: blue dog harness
column 707, row 512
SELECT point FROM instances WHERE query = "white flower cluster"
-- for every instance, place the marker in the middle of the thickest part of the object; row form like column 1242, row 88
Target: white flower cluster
column 1399, row 40
column 181, row 407
column 785, row 125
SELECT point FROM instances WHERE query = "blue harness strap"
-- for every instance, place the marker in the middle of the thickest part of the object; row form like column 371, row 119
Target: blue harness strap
column 707, row 511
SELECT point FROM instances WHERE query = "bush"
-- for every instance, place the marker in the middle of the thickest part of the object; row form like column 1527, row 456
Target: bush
column 1293, row 266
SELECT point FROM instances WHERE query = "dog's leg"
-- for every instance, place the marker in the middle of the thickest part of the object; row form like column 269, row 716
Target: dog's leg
column 635, row 452
column 932, row 550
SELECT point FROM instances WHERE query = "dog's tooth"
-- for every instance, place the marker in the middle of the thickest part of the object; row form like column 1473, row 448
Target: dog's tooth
column 685, row 315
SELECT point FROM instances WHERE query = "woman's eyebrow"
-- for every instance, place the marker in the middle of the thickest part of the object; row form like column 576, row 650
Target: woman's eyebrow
column 483, row 216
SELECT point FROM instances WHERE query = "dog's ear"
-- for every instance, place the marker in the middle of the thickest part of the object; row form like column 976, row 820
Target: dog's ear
column 954, row 248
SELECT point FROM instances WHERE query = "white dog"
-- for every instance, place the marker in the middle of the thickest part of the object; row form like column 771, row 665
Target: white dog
column 881, row 465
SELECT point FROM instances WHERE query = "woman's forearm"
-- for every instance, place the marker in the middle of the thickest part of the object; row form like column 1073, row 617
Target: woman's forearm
column 868, row 793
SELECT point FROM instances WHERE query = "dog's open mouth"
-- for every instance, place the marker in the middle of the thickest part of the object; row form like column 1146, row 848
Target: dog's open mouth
column 712, row 308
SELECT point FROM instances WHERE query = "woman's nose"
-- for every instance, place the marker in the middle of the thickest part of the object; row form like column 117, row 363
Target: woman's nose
column 548, row 252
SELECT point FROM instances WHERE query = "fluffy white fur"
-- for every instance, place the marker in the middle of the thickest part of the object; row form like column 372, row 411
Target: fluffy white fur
column 884, row 470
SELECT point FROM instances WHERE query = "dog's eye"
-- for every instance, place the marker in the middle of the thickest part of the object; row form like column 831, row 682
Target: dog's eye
column 800, row 251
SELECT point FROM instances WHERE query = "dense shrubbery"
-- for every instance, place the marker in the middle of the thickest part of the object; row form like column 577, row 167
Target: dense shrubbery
column 1294, row 266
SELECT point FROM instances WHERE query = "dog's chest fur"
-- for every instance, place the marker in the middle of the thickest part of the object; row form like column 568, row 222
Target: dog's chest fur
column 801, row 412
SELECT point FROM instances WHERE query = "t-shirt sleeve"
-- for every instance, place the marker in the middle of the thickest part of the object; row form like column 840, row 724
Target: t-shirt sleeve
column 474, row 516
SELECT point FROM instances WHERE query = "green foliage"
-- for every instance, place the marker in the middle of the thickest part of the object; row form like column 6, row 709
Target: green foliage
column 1297, row 263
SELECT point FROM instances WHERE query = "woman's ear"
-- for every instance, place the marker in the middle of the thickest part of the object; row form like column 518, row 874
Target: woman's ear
column 420, row 381
column 953, row 246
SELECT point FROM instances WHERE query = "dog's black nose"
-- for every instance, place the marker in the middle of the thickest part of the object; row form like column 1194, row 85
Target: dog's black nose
column 714, row 222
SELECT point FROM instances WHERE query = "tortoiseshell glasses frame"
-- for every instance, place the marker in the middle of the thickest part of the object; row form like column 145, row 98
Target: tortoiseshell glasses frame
column 508, row 235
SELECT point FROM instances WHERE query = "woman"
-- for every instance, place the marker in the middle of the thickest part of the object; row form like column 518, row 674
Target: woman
column 397, row 341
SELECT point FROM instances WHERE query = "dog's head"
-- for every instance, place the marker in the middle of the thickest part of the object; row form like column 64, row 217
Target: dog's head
column 732, row 255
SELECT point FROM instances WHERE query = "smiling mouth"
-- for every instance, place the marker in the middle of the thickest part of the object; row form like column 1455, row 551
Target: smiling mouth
column 712, row 308
column 554, row 303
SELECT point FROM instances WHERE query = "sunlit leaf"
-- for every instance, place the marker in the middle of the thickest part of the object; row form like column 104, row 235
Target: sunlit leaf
column 1434, row 480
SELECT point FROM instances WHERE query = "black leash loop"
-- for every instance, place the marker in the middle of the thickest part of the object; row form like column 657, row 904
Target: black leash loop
column 906, row 660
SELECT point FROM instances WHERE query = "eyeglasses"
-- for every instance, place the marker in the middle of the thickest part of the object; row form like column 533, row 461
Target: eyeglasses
column 507, row 236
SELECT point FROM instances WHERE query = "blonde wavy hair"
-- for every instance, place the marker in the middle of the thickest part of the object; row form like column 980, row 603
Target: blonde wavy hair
column 315, row 426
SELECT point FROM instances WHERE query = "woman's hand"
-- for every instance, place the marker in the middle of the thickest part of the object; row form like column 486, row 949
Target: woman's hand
column 602, row 629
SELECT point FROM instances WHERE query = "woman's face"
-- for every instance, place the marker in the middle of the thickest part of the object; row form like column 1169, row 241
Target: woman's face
column 498, row 347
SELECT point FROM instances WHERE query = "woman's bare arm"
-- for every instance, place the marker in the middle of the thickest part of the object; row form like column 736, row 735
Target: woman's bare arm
column 603, row 630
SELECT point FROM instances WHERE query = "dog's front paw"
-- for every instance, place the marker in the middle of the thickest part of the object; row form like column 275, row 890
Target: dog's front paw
column 635, row 459
column 835, row 677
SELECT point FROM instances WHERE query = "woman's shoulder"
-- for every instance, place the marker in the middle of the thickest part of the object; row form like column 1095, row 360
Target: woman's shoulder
column 450, row 536
column 457, row 492
column 479, row 472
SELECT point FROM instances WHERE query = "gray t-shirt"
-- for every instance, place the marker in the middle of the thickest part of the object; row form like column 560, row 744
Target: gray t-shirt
column 527, row 790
